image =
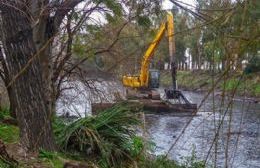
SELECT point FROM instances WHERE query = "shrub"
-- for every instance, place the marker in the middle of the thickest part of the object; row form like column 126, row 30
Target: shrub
column 4, row 113
column 9, row 133
column 104, row 135
column 158, row 162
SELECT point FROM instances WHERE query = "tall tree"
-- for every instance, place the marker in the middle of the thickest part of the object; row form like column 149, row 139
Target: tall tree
column 28, row 31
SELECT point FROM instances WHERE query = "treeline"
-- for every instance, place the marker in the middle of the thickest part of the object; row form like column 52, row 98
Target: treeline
column 218, row 35
column 209, row 35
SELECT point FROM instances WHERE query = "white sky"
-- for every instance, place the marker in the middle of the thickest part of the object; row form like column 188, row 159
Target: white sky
column 168, row 5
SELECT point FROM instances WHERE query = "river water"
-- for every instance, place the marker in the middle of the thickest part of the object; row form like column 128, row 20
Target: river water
column 241, row 125
column 223, row 132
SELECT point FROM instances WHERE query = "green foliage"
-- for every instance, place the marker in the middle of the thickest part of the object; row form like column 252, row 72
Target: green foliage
column 231, row 84
column 51, row 158
column 104, row 135
column 163, row 162
column 188, row 80
column 47, row 154
column 110, row 18
column 192, row 161
column 257, row 89
column 136, row 146
column 202, row 80
column 4, row 165
column 158, row 162
column 4, row 113
column 78, row 47
column 144, row 21
column 114, row 6
column 58, row 159
column 9, row 133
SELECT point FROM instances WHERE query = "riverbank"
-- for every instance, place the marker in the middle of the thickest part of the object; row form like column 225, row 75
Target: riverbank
column 111, row 136
column 248, row 85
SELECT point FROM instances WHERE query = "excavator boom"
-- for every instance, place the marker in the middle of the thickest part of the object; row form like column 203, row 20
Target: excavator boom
column 141, row 80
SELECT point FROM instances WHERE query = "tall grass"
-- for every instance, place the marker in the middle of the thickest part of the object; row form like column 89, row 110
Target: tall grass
column 8, row 133
column 4, row 113
column 104, row 136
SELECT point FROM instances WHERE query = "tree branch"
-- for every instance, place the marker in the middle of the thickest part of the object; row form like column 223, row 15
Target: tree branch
column 62, row 11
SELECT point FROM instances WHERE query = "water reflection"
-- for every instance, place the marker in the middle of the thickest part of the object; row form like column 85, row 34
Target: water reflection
column 243, row 118
column 240, row 123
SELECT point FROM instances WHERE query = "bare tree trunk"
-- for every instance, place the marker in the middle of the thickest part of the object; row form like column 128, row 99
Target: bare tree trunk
column 6, row 79
column 28, row 27
column 11, row 101
column 28, row 93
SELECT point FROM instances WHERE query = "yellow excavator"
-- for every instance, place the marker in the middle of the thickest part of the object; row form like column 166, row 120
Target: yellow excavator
column 143, row 88
column 148, row 79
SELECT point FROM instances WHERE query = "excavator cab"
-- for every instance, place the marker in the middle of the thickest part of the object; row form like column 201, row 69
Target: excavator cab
column 154, row 78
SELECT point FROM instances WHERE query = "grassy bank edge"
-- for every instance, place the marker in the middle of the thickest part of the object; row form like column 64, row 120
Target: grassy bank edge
column 247, row 85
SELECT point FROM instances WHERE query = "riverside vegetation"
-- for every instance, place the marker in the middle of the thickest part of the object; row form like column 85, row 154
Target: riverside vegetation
column 243, row 84
column 106, row 140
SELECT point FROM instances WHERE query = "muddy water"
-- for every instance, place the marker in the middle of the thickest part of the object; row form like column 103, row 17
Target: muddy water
column 238, row 128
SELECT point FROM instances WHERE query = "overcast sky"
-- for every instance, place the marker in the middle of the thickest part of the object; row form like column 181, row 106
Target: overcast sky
column 168, row 5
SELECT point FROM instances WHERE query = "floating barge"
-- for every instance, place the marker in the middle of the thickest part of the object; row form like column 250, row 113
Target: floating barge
column 152, row 106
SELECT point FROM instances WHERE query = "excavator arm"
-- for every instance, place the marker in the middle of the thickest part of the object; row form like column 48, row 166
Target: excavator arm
column 141, row 81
